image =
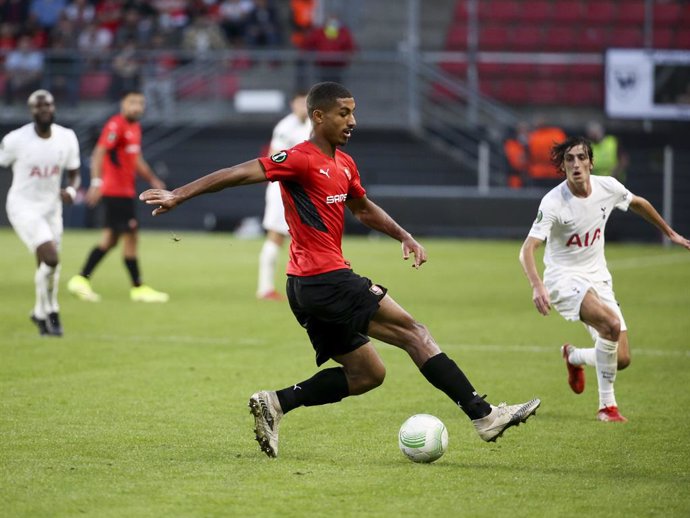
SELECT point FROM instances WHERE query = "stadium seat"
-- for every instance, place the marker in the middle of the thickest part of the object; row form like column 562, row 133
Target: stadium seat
column 632, row 12
column 663, row 38
column 682, row 39
column 582, row 71
column 626, row 37
column 493, row 37
column 94, row 85
column 559, row 39
column 227, row 85
column 601, row 13
column 583, row 93
column 460, row 12
column 499, row 11
column 457, row 70
column 592, row 39
column 513, row 92
column 545, row 91
column 667, row 14
column 526, row 38
column 535, row 11
column 567, row 12
column 457, row 38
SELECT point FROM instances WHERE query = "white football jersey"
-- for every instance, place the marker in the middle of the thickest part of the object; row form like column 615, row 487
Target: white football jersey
column 289, row 132
column 574, row 227
column 37, row 166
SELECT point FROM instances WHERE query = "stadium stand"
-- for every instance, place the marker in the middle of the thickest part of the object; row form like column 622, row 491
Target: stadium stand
column 550, row 26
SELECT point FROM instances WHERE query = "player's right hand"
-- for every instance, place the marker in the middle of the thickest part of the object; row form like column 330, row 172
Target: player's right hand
column 93, row 196
column 165, row 200
column 541, row 300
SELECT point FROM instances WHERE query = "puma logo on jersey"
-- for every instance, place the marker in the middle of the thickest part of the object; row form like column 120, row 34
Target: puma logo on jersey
column 576, row 240
column 325, row 171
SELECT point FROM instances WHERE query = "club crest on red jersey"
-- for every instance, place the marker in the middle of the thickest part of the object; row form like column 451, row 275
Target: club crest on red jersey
column 280, row 157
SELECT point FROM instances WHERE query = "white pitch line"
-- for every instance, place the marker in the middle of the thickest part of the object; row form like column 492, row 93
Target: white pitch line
column 242, row 341
column 649, row 261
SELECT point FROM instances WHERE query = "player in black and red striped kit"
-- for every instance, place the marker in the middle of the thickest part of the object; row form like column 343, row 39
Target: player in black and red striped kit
column 338, row 308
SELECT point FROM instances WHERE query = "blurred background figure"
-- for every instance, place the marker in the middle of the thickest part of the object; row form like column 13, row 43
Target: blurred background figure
column 263, row 25
column 515, row 149
column 333, row 44
column 24, row 67
column 540, row 170
column 609, row 160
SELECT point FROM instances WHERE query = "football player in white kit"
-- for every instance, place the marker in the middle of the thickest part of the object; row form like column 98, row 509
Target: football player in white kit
column 293, row 129
column 39, row 152
column 571, row 219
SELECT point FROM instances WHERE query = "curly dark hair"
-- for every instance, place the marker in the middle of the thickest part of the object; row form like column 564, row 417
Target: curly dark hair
column 558, row 151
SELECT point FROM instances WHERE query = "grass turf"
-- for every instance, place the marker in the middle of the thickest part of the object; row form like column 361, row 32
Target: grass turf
column 140, row 410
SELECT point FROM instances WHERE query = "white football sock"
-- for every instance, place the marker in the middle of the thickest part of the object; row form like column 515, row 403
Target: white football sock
column 53, row 284
column 42, row 281
column 607, row 365
column 267, row 267
column 583, row 356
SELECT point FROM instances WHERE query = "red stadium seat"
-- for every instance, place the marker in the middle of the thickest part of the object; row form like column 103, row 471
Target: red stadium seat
column 227, row 84
column 493, row 37
column 545, row 91
column 663, row 38
column 526, row 38
column 682, row 39
column 592, row 39
column 457, row 38
column 666, row 14
column 567, row 12
column 457, row 70
column 94, row 85
column 559, row 39
column 626, row 37
column 535, row 11
column 500, row 11
column 513, row 92
column 460, row 13
column 583, row 93
column 631, row 12
column 601, row 13
column 586, row 72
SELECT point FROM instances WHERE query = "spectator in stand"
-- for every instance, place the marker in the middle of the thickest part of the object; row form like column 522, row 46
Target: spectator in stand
column 172, row 14
column 93, row 42
column 203, row 36
column 609, row 160
column 38, row 35
column 157, row 79
column 47, row 12
column 15, row 12
column 515, row 148
column 301, row 20
column 333, row 45
column 131, row 29
column 80, row 13
column 109, row 14
column 233, row 16
column 540, row 169
column 24, row 67
column 126, row 71
column 63, row 70
column 263, row 25
column 7, row 38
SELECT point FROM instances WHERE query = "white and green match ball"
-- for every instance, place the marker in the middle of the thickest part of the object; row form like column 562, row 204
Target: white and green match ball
column 423, row 438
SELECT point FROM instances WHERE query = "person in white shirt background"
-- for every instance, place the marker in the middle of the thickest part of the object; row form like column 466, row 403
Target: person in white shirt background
column 293, row 129
column 571, row 219
column 39, row 153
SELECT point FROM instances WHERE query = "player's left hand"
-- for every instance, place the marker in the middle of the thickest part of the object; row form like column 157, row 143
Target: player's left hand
column 165, row 200
column 410, row 245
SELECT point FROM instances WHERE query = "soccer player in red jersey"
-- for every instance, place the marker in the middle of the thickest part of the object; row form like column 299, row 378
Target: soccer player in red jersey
column 115, row 162
column 338, row 308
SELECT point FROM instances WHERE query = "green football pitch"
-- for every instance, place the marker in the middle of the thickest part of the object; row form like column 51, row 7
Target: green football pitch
column 141, row 410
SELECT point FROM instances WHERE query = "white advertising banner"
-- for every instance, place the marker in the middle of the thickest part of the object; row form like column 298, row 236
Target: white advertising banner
column 648, row 84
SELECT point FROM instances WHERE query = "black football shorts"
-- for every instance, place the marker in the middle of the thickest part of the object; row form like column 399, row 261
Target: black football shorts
column 335, row 308
column 120, row 214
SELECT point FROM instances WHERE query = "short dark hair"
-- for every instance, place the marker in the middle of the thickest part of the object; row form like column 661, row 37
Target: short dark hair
column 558, row 151
column 131, row 91
column 323, row 96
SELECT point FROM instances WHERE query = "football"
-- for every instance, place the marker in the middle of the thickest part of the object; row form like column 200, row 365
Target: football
column 423, row 438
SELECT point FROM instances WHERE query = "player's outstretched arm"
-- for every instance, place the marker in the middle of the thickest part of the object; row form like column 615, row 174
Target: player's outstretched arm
column 373, row 216
column 645, row 209
column 242, row 174
column 540, row 295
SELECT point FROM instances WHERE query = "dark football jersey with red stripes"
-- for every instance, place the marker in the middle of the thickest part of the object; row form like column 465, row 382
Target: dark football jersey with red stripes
column 314, row 188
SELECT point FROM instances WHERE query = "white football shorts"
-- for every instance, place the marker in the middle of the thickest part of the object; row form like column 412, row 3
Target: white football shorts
column 567, row 293
column 35, row 229
column 274, row 214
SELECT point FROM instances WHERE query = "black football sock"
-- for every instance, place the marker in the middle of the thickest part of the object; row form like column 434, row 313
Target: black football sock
column 133, row 269
column 92, row 261
column 444, row 374
column 326, row 386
